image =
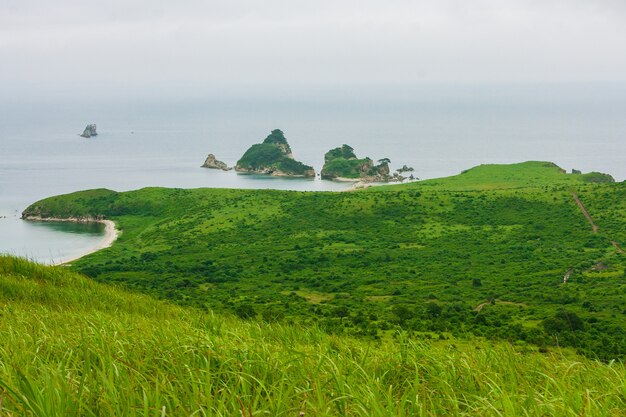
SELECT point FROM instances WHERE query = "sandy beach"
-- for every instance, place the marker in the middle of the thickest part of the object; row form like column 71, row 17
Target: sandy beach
column 110, row 234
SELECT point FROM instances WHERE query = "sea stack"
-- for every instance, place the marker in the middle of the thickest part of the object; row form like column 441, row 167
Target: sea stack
column 342, row 164
column 212, row 163
column 273, row 157
column 90, row 131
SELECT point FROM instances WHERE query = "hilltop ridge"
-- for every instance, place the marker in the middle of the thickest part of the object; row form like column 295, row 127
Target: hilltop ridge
column 507, row 176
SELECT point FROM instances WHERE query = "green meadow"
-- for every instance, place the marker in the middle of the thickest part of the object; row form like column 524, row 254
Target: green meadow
column 75, row 347
column 497, row 253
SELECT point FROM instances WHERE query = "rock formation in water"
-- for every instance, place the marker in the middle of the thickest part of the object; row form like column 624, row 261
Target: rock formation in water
column 342, row 164
column 273, row 157
column 90, row 131
column 213, row 163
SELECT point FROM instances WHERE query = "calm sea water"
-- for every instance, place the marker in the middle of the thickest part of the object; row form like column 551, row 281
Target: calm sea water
column 438, row 130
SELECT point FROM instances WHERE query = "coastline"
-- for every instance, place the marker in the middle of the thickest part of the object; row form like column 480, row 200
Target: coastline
column 110, row 235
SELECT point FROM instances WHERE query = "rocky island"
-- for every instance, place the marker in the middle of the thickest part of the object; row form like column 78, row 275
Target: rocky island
column 213, row 163
column 89, row 131
column 273, row 157
column 342, row 164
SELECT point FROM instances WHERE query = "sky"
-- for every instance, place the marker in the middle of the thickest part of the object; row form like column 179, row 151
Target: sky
column 194, row 46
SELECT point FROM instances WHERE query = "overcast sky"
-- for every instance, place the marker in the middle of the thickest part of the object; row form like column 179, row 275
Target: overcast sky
column 194, row 45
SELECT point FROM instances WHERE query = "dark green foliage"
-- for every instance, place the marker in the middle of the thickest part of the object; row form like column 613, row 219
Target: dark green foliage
column 277, row 137
column 245, row 311
column 260, row 155
column 403, row 313
column 563, row 321
column 294, row 167
column 345, row 168
column 344, row 152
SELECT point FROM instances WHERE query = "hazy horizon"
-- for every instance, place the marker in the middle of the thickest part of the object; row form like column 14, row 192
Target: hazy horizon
column 196, row 48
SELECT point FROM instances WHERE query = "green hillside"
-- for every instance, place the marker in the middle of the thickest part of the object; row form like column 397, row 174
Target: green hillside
column 74, row 347
column 483, row 254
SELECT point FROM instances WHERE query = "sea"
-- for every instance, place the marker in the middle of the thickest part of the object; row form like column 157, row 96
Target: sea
column 438, row 130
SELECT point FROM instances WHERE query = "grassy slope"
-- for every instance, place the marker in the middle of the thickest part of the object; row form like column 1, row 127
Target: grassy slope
column 73, row 347
column 420, row 257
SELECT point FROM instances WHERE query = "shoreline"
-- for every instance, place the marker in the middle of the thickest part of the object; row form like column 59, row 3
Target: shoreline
column 110, row 235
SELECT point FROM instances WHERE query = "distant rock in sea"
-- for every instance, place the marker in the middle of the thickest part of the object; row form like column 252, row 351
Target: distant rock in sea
column 90, row 131
column 212, row 163
column 273, row 157
column 341, row 164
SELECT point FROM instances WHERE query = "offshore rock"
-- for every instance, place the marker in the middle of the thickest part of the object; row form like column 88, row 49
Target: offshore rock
column 212, row 163
column 90, row 131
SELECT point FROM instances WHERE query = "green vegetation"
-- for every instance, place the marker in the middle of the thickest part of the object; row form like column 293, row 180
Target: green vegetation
column 342, row 163
column 72, row 347
column 530, row 175
column 598, row 177
column 482, row 254
column 273, row 156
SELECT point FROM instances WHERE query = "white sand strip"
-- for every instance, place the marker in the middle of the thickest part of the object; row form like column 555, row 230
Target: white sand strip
column 110, row 234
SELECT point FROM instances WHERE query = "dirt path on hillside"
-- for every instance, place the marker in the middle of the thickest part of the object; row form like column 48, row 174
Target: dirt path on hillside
column 617, row 246
column 567, row 275
column 480, row 306
column 594, row 227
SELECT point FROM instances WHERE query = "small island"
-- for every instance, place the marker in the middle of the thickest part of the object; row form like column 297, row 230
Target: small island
column 89, row 131
column 342, row 164
column 273, row 157
column 213, row 163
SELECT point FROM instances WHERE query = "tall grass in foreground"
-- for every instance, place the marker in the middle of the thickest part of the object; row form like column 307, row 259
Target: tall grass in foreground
column 72, row 347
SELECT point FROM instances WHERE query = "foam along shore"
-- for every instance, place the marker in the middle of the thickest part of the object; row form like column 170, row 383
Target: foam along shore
column 110, row 234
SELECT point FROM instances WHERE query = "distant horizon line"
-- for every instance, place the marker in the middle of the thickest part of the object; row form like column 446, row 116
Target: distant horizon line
column 227, row 91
